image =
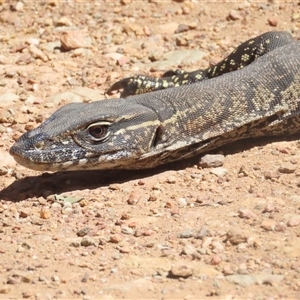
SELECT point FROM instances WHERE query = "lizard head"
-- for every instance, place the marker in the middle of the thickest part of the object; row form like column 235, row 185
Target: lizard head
column 106, row 134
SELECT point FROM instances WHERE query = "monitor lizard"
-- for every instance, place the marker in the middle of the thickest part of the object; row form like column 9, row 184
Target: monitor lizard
column 254, row 92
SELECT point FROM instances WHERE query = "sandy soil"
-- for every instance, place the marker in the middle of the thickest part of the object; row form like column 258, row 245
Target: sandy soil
column 181, row 231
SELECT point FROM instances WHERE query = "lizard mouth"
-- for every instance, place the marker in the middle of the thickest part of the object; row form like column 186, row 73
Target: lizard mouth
column 37, row 166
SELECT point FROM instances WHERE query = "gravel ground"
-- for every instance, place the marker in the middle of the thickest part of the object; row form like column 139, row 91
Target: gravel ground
column 225, row 226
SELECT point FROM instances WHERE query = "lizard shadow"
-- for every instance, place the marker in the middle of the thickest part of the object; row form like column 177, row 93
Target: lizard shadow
column 60, row 182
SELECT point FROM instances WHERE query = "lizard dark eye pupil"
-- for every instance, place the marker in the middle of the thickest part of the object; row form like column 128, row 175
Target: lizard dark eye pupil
column 98, row 131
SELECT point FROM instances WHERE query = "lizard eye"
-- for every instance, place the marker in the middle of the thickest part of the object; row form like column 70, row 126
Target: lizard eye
column 99, row 131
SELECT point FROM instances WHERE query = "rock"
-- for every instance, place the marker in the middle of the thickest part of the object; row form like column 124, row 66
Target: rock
column 123, row 61
column 273, row 21
column 234, row 15
column 78, row 52
column 83, row 231
column 74, row 39
column 24, row 213
column 88, row 241
column 247, row 214
column 215, row 260
column 269, row 207
column 115, row 238
column 182, row 28
column 37, row 53
column 268, row 225
column 294, row 221
column 203, row 232
column 236, row 236
column 182, row 202
column 287, row 168
column 271, row 174
column 127, row 230
column 217, row 246
column 181, row 270
column 212, row 161
column 63, row 21
column 171, row 179
column 220, row 172
column 189, row 249
column 186, row 233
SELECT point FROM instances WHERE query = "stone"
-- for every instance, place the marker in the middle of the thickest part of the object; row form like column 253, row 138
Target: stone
column 189, row 249
column 294, row 221
column 287, row 168
column 273, row 21
column 181, row 270
column 236, row 236
column 88, row 241
column 63, row 21
column 74, row 39
column 212, row 161
column 220, row 172
column 234, row 15
column 186, row 233
column 37, row 53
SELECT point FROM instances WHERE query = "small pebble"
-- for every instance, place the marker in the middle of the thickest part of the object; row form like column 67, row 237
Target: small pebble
column 234, row 15
column 189, row 249
column 171, row 179
column 247, row 214
column 88, row 241
column 220, row 172
column 186, row 233
column 45, row 213
column 181, row 270
column 116, row 238
column 74, row 39
column 182, row 202
column 273, row 21
column 271, row 174
column 294, row 221
column 287, row 168
column 127, row 230
column 212, row 161
column 268, row 225
column 84, row 231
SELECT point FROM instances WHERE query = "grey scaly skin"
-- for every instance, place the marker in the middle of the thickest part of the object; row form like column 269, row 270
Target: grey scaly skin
column 151, row 129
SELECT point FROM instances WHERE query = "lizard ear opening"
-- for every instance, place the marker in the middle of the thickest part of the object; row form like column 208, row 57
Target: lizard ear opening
column 157, row 136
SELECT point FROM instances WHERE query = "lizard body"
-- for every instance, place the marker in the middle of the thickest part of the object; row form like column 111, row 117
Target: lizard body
column 147, row 130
